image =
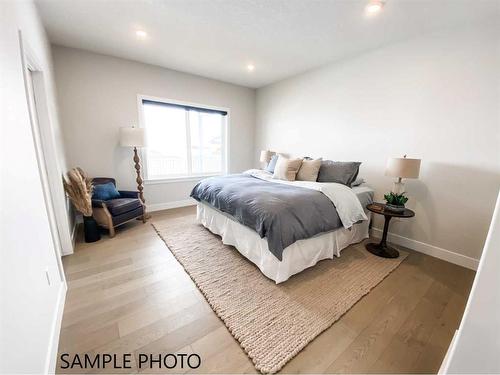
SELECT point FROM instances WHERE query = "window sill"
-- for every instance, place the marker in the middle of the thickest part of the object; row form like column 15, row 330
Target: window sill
column 178, row 179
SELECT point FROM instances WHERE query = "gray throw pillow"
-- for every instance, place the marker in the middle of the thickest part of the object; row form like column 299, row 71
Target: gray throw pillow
column 272, row 163
column 342, row 172
column 358, row 181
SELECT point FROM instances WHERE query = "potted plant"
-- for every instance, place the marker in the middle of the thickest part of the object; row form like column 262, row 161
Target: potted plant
column 395, row 202
column 79, row 189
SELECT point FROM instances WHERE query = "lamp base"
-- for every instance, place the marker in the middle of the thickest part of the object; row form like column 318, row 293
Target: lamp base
column 139, row 181
column 398, row 187
column 147, row 216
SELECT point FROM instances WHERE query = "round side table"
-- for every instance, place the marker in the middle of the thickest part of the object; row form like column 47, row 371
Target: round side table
column 382, row 249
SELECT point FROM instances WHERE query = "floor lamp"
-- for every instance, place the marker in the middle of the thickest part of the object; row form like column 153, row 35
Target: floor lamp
column 135, row 137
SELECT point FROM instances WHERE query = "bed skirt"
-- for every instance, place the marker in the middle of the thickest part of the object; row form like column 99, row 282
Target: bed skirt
column 296, row 257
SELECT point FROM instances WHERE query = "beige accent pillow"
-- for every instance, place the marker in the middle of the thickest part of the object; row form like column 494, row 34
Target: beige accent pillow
column 286, row 169
column 309, row 170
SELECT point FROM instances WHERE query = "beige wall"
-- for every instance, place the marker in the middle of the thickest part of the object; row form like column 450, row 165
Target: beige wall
column 434, row 98
column 98, row 95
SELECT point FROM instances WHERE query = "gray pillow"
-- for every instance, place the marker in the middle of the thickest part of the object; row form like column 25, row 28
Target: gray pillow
column 358, row 181
column 342, row 172
column 272, row 163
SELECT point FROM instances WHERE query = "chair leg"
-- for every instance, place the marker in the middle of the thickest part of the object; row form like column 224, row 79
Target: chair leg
column 144, row 218
column 111, row 231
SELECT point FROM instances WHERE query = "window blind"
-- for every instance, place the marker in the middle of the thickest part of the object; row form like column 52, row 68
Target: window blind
column 186, row 107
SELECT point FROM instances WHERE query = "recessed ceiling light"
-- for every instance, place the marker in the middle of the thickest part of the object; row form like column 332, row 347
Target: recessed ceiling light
column 374, row 6
column 141, row 34
column 251, row 67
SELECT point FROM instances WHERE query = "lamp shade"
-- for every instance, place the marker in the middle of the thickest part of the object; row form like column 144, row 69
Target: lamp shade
column 132, row 137
column 403, row 168
column 265, row 156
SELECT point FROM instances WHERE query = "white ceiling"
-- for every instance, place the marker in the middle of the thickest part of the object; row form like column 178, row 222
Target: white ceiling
column 219, row 38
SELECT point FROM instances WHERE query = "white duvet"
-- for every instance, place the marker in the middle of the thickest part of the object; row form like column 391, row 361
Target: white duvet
column 345, row 201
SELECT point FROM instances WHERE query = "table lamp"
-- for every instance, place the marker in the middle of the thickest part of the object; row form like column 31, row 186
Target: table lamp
column 134, row 137
column 402, row 168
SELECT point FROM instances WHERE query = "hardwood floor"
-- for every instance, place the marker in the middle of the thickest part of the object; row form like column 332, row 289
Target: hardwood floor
column 129, row 295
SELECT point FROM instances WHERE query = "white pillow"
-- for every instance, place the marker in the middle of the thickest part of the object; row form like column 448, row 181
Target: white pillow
column 286, row 169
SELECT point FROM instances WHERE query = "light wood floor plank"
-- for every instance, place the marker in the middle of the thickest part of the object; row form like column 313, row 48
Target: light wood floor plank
column 189, row 330
column 429, row 360
column 372, row 341
column 159, row 310
column 413, row 336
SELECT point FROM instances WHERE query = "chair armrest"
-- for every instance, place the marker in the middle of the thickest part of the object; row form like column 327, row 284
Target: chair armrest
column 98, row 203
column 128, row 194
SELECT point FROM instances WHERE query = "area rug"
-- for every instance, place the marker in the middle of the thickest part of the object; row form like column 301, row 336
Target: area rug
column 271, row 322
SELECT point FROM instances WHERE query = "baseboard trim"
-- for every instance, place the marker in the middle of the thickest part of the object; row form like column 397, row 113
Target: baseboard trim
column 169, row 205
column 78, row 219
column 431, row 250
column 52, row 351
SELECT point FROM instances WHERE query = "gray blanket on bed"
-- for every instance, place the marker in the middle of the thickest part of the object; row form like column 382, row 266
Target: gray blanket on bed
column 281, row 213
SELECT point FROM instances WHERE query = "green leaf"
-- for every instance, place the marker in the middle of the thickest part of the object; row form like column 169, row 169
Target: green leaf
column 396, row 199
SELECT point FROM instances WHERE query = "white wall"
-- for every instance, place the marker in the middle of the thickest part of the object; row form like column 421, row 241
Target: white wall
column 435, row 98
column 30, row 308
column 476, row 346
column 98, row 95
column 50, row 132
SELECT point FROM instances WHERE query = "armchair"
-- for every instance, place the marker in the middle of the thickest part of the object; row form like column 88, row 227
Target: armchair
column 114, row 212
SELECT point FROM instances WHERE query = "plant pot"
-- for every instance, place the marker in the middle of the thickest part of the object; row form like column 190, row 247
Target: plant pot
column 394, row 208
column 91, row 229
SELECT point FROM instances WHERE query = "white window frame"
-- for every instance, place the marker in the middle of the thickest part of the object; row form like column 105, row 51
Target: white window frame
column 225, row 140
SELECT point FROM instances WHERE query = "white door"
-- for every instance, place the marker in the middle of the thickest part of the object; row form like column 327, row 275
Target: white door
column 36, row 77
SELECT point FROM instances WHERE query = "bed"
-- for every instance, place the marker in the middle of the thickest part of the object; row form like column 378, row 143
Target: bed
column 283, row 227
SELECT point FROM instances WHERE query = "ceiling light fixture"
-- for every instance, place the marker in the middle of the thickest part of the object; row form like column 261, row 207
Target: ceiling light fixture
column 251, row 67
column 374, row 6
column 141, row 34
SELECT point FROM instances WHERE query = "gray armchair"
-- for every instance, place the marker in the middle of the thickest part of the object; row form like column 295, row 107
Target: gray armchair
column 114, row 212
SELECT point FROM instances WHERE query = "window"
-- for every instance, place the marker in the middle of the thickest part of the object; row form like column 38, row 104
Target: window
column 183, row 140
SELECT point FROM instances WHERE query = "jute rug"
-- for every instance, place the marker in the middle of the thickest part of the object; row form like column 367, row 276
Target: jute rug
column 272, row 322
